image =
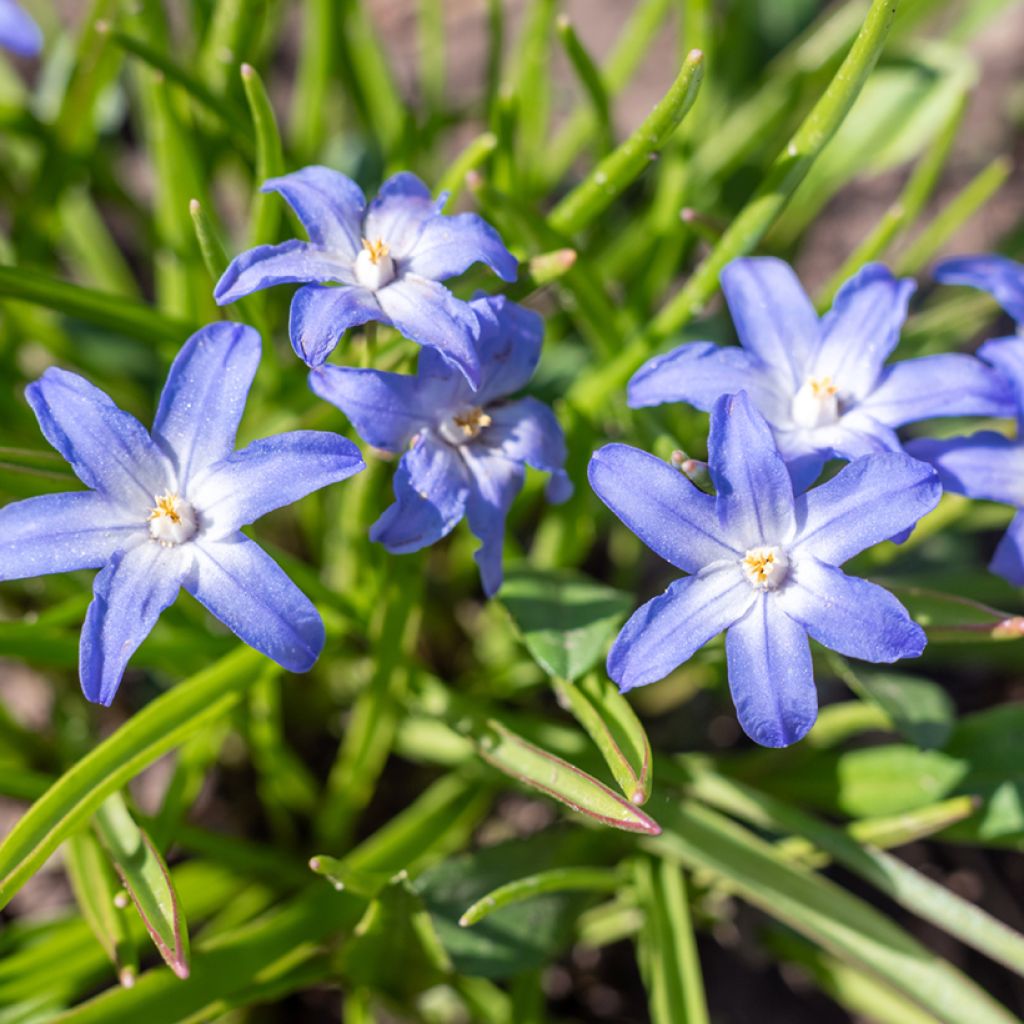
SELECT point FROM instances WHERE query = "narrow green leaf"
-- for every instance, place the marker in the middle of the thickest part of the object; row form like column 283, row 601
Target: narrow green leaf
column 147, row 880
column 620, row 168
column 555, row 880
column 667, row 946
column 157, row 728
column 454, row 178
column 432, row 37
column 566, row 619
column 531, row 86
column 543, row 771
column 95, row 887
column 612, row 724
column 308, row 123
column 590, row 78
column 266, row 213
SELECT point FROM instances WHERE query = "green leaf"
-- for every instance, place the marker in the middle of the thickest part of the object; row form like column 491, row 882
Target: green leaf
column 269, row 157
column 543, row 771
column 156, row 729
column 566, row 619
column 612, row 724
column 147, row 880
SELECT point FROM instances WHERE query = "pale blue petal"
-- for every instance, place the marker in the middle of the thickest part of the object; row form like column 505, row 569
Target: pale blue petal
column 204, row 397
column 431, row 488
column 398, row 213
column 61, row 533
column 662, row 507
column 329, row 206
column 427, row 313
column 770, row 675
column 862, row 328
column 18, row 32
column 292, row 262
column 940, row 385
column 526, row 430
column 773, row 316
column 866, row 502
column 128, row 597
column 509, row 343
column 239, row 583
column 984, row 465
column 269, row 474
column 666, row 631
column 447, row 246
column 1001, row 277
column 755, row 493
column 109, row 450
column 1008, row 560
column 320, row 315
column 855, row 617
column 494, row 482
column 387, row 409
column 1007, row 356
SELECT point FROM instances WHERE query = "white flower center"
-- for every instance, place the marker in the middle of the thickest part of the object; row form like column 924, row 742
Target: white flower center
column 464, row 426
column 766, row 567
column 172, row 520
column 374, row 266
column 816, row 404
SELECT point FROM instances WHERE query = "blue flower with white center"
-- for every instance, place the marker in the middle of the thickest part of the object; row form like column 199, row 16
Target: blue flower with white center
column 164, row 510
column 821, row 384
column 762, row 565
column 379, row 262
column 465, row 450
column 989, row 465
column 1001, row 277
column 18, row 32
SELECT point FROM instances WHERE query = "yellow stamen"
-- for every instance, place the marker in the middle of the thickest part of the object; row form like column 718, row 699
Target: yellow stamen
column 377, row 250
column 472, row 422
column 822, row 386
column 167, row 505
column 760, row 565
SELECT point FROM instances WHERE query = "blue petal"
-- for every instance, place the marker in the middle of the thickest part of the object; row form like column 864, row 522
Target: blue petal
column 866, row 502
column 62, row 533
column 447, row 246
column 858, row 434
column 398, row 214
column 109, row 450
column 526, row 430
column 288, row 263
column 942, row 385
column 509, row 344
column 387, row 409
column 494, row 484
column 269, row 474
column 699, row 373
column 329, row 205
column 204, row 397
column 1007, row 356
column 862, row 328
column 427, row 313
column 755, row 493
column 849, row 615
column 666, row 631
column 431, row 488
column 664, row 509
column 1008, row 560
column 1000, row 277
column 128, row 597
column 18, row 32
column 239, row 583
column 773, row 316
column 320, row 315
column 770, row 675
column 984, row 465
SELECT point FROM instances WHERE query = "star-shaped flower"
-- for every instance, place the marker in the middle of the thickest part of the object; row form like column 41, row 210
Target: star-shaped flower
column 164, row 510
column 18, row 32
column 465, row 450
column 379, row 262
column 763, row 566
column 821, row 384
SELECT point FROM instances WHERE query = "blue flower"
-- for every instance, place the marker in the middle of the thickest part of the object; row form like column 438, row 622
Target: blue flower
column 465, row 450
column 989, row 465
column 762, row 565
column 1001, row 277
column 164, row 510
column 384, row 262
column 821, row 384
column 18, row 32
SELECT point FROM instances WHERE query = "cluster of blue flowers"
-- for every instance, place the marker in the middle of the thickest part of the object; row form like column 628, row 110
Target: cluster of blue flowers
column 164, row 508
